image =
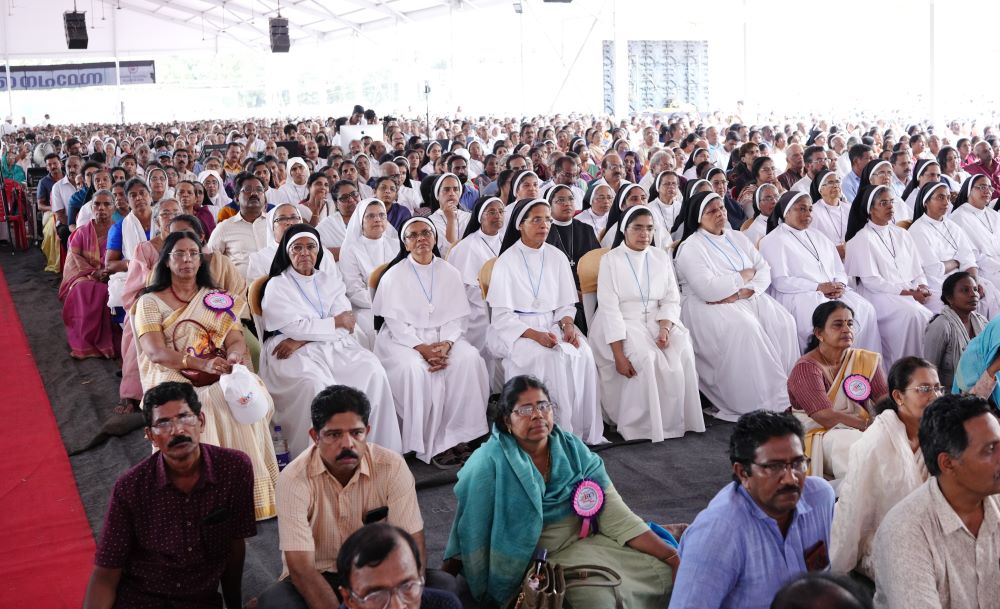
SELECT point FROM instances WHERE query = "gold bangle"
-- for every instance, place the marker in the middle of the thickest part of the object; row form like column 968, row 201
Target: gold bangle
column 184, row 362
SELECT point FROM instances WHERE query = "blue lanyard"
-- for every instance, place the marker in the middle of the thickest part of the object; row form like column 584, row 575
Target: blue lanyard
column 428, row 294
column 643, row 297
column 728, row 259
column 534, row 288
column 320, row 310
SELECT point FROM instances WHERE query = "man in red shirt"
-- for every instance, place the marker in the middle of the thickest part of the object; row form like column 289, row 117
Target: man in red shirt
column 986, row 164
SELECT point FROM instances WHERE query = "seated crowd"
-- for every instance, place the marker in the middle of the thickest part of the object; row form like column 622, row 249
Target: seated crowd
column 821, row 288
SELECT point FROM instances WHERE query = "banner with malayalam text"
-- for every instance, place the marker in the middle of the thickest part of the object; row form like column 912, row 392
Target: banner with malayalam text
column 71, row 75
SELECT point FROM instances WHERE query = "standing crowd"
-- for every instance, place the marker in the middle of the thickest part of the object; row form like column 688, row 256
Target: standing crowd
column 822, row 286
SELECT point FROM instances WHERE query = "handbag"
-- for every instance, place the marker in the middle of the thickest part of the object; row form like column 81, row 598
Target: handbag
column 556, row 580
column 200, row 378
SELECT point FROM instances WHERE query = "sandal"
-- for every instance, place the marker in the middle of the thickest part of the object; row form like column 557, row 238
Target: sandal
column 449, row 459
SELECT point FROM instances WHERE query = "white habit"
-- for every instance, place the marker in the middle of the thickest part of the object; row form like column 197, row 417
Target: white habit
column 885, row 261
column 635, row 290
column 439, row 409
column 303, row 308
column 469, row 256
column 359, row 256
column 746, row 348
column 800, row 260
column 533, row 289
column 982, row 227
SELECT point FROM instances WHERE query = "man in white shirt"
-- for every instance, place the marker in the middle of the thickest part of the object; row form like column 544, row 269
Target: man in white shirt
column 661, row 161
column 61, row 193
column 901, row 164
column 246, row 232
column 814, row 159
column 940, row 546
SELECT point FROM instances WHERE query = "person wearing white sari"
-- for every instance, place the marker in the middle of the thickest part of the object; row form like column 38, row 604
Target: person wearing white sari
column 981, row 224
column 596, row 207
column 439, row 381
column 884, row 259
column 365, row 248
column 884, row 466
column 309, row 343
column 629, row 195
column 214, row 190
column 744, row 341
column 447, row 215
column 830, row 210
column 295, row 189
column 944, row 248
column 645, row 361
column 806, row 271
column 333, row 228
column 532, row 298
column 481, row 243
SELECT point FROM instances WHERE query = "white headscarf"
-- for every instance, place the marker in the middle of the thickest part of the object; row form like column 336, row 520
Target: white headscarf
column 371, row 252
column 221, row 199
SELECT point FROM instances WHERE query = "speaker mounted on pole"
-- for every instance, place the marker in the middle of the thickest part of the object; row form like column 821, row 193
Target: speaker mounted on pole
column 280, row 43
column 76, row 29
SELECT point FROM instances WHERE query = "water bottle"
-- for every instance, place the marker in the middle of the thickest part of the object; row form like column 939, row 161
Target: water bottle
column 280, row 447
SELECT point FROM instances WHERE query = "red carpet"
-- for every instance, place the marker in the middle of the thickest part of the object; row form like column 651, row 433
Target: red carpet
column 47, row 550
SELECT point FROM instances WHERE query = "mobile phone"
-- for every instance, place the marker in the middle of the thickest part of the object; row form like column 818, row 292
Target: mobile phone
column 376, row 515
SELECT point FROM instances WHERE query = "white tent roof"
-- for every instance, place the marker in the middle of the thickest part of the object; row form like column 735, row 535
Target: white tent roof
column 34, row 28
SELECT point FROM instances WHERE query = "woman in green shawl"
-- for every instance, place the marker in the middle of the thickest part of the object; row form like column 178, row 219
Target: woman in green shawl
column 516, row 494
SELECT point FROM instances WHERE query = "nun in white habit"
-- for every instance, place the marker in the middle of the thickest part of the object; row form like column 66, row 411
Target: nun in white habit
column 309, row 343
column 533, row 298
column 447, row 215
column 645, row 360
column 481, row 243
column 973, row 213
column 438, row 379
column 765, row 197
column 628, row 196
column 744, row 342
column 884, row 259
column 830, row 209
column 666, row 206
column 596, row 207
column 296, row 188
column 944, row 248
column 366, row 247
column 220, row 199
column 806, row 271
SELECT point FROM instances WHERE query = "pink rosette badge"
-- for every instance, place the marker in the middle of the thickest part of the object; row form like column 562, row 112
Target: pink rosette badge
column 857, row 387
column 220, row 302
column 588, row 499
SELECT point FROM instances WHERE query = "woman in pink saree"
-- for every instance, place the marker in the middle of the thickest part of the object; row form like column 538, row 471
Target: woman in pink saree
column 84, row 289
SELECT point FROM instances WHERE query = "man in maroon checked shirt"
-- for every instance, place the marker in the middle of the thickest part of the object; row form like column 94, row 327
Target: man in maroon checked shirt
column 177, row 521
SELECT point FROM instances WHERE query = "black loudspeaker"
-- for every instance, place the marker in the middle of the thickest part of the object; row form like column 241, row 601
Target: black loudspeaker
column 279, row 35
column 76, row 30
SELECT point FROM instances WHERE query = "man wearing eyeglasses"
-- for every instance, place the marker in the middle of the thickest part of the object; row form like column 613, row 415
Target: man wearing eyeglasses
column 814, row 159
column 176, row 524
column 339, row 484
column 381, row 564
column 940, row 546
column 767, row 527
column 246, row 232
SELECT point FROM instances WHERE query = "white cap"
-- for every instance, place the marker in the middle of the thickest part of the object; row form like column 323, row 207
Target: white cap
column 245, row 394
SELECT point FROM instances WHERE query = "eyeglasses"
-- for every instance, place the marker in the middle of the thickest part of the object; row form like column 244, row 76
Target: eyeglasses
column 184, row 420
column 605, row 198
column 539, row 220
column 882, row 204
column 925, row 389
column 407, row 592
column 424, row 234
column 882, row 174
column 350, row 196
column 248, row 191
column 303, row 248
column 493, row 213
column 778, row 469
column 563, row 201
column 526, row 410
column 984, row 188
column 181, row 255
column 167, row 214
column 287, row 219
column 379, row 216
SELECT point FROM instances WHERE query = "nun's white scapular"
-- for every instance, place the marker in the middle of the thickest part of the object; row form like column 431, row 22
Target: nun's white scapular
column 533, row 289
column 885, row 261
column 982, row 227
column 800, row 260
column 438, row 409
column 359, row 256
column 744, row 349
column 302, row 308
column 941, row 241
column 830, row 220
column 635, row 290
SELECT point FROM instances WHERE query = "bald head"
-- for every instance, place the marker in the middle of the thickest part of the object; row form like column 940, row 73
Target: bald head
column 795, row 157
